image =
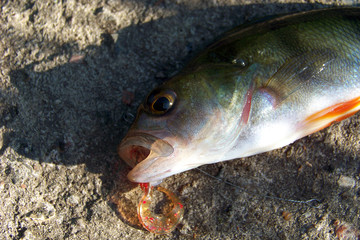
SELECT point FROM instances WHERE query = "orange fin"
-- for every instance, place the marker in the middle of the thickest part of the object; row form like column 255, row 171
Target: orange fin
column 327, row 116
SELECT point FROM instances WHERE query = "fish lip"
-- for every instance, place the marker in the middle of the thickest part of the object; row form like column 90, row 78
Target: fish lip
column 139, row 148
column 138, row 175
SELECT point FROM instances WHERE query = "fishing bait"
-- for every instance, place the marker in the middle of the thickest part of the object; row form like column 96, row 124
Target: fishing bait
column 259, row 88
column 159, row 223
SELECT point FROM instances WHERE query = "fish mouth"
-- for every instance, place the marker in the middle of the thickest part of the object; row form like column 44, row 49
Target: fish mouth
column 141, row 151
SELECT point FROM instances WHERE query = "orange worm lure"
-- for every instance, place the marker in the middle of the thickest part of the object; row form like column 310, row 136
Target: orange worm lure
column 159, row 223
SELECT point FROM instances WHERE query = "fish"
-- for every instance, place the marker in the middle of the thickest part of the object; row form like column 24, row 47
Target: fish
column 260, row 87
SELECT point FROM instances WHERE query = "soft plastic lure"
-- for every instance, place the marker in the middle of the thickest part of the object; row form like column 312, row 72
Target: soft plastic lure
column 159, row 223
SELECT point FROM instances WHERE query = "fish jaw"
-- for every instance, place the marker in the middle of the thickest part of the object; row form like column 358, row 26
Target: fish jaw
column 136, row 147
column 152, row 158
column 154, row 169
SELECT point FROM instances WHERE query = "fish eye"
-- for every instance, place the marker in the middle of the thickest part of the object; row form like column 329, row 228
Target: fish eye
column 160, row 101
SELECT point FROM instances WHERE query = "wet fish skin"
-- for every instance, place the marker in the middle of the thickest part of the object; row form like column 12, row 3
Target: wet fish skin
column 259, row 88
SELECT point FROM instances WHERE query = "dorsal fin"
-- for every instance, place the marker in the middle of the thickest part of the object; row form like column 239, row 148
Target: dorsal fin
column 296, row 72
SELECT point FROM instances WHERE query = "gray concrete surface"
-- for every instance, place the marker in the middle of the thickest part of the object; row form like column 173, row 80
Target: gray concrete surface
column 66, row 71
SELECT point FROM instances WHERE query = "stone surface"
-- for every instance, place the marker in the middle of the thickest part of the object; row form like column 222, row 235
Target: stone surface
column 65, row 70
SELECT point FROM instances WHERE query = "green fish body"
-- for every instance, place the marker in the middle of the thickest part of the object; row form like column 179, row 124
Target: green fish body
column 259, row 88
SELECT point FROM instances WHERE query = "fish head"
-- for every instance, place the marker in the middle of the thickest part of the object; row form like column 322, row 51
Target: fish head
column 175, row 130
column 188, row 121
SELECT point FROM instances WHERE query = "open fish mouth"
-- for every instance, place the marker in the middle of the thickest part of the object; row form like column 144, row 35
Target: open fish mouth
column 141, row 150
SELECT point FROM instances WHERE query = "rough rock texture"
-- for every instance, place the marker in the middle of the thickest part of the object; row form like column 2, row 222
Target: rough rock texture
column 71, row 76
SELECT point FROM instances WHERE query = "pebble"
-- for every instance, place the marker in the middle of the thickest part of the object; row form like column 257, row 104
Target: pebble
column 345, row 181
column 286, row 215
column 44, row 212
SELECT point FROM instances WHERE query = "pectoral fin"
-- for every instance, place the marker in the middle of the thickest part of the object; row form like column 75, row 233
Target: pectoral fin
column 296, row 73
